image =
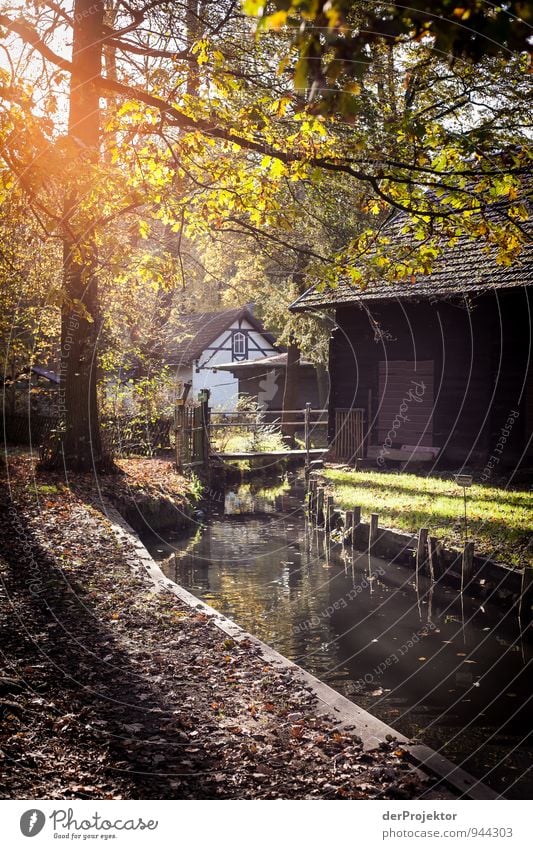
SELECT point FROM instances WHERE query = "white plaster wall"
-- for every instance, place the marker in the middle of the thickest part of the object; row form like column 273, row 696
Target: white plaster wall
column 223, row 386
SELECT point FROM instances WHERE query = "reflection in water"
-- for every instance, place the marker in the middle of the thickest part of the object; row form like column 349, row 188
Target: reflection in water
column 245, row 499
column 451, row 671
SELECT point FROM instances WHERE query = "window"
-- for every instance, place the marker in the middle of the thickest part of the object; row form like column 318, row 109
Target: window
column 239, row 346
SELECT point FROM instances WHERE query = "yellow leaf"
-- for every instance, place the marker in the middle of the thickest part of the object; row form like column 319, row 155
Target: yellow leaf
column 278, row 168
column 277, row 20
column 253, row 7
column 144, row 229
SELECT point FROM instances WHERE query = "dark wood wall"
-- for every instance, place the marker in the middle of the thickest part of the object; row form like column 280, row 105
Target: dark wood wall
column 481, row 350
column 307, row 389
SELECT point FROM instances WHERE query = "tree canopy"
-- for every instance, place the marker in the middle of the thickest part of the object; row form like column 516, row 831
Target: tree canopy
column 141, row 134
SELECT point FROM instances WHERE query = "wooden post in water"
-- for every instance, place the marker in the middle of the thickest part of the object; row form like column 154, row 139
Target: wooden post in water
column 348, row 526
column 307, row 437
column 439, row 560
column 373, row 532
column 311, row 498
column 467, row 565
column 329, row 512
column 320, row 505
column 433, row 551
column 421, row 552
column 356, row 524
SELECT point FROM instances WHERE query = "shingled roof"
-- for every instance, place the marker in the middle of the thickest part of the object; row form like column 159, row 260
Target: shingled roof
column 466, row 268
column 197, row 331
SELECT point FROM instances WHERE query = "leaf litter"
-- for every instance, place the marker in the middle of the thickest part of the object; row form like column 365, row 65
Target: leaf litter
column 111, row 691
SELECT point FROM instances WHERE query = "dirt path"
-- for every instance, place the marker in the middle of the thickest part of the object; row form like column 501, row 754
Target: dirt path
column 110, row 691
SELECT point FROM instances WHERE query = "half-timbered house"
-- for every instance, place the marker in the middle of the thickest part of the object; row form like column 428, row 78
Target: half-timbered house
column 211, row 338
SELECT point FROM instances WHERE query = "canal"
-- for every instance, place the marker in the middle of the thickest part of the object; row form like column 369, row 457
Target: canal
column 451, row 671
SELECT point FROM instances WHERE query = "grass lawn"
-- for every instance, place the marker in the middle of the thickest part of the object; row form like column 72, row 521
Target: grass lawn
column 500, row 521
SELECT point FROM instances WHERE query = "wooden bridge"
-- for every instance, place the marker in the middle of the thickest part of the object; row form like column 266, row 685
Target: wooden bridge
column 290, row 452
column 196, row 424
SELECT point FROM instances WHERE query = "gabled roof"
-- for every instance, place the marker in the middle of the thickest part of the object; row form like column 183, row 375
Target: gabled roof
column 274, row 361
column 46, row 373
column 197, row 331
column 466, row 268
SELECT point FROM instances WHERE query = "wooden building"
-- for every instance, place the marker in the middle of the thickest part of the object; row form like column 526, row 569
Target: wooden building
column 264, row 380
column 439, row 368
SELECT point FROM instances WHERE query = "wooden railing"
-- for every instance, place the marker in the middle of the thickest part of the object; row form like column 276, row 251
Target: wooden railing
column 196, row 427
column 240, row 418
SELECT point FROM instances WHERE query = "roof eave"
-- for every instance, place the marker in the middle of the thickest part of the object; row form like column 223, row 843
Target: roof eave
column 420, row 295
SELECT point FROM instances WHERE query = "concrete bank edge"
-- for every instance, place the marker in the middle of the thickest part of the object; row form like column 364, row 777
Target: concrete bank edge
column 371, row 730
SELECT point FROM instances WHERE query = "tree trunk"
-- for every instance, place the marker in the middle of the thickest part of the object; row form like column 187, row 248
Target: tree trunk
column 78, row 407
column 192, row 24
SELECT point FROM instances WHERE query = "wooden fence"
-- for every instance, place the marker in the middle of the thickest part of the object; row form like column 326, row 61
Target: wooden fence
column 31, row 429
column 191, row 426
column 125, row 436
column 348, row 442
column 122, row 436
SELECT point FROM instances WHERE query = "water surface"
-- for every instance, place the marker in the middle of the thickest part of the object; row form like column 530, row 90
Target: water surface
column 451, row 671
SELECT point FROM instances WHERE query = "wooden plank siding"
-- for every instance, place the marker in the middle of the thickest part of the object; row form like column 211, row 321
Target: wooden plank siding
column 405, row 399
column 480, row 355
